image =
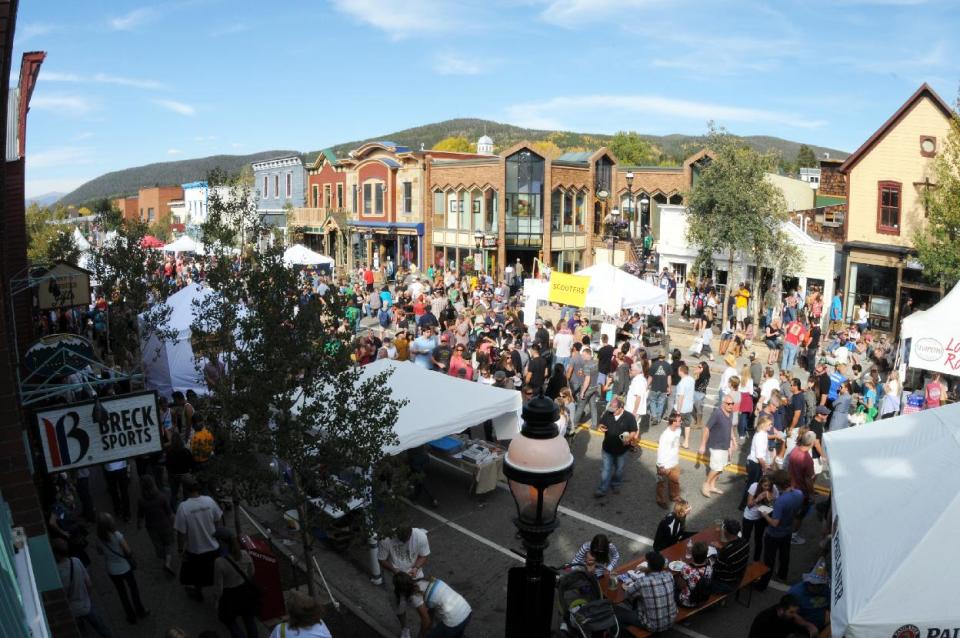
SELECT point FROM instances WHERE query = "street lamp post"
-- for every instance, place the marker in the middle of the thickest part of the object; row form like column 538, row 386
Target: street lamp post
column 478, row 240
column 611, row 235
column 632, row 219
column 644, row 223
column 537, row 466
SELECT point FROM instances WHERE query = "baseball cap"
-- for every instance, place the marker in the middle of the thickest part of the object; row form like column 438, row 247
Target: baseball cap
column 823, row 410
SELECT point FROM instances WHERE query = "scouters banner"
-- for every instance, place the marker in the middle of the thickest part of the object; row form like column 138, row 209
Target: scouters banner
column 569, row 290
column 77, row 435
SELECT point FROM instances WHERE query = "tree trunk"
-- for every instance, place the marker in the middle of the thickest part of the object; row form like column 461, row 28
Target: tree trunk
column 305, row 537
column 725, row 297
column 757, row 295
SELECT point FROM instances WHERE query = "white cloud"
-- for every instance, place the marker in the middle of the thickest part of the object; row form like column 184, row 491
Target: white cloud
column 401, row 19
column 63, row 156
column 37, row 187
column 100, row 78
column 572, row 13
column 30, row 30
column 173, row 151
column 64, row 104
column 454, row 64
column 177, row 107
column 85, row 135
column 133, row 19
column 553, row 113
column 204, row 138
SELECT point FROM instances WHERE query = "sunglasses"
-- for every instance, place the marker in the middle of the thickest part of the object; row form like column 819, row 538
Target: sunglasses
column 729, row 403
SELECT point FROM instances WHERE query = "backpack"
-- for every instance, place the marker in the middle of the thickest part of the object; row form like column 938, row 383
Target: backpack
column 701, row 591
column 384, row 318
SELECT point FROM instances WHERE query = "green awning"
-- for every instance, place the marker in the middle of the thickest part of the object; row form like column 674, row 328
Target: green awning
column 829, row 200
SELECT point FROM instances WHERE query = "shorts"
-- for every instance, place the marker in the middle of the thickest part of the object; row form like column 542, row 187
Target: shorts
column 741, row 314
column 719, row 459
column 686, row 418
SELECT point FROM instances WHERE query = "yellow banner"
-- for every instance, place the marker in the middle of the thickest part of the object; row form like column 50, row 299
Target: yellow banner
column 569, row 290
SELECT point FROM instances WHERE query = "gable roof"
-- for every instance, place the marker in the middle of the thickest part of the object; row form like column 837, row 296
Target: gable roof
column 924, row 91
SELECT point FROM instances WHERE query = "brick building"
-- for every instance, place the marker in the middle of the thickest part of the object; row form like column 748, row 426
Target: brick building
column 32, row 602
column 129, row 207
column 155, row 202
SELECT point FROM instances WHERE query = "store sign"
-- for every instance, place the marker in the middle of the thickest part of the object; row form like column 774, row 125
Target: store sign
column 570, row 290
column 92, row 432
column 64, row 286
column 490, row 241
column 936, row 354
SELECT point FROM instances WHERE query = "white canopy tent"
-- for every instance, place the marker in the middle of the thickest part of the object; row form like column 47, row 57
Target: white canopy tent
column 183, row 244
column 612, row 289
column 80, row 241
column 439, row 405
column 170, row 365
column 934, row 336
column 897, row 511
column 300, row 255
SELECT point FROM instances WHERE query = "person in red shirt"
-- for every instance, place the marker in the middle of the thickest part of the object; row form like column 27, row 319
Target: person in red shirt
column 368, row 279
column 795, row 335
column 800, row 468
column 458, row 364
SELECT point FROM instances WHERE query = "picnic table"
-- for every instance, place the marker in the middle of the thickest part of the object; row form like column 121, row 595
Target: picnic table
column 754, row 572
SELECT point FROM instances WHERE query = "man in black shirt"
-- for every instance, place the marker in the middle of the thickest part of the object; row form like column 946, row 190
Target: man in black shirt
column 813, row 345
column 604, row 356
column 659, row 387
column 732, row 558
column 781, row 621
column 441, row 355
column 620, row 430
column 536, row 369
column 541, row 336
column 428, row 319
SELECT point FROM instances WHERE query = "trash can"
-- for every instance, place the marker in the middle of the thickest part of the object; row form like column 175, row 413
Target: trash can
column 267, row 577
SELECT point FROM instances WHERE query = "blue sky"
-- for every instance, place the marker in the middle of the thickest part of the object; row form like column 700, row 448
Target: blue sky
column 130, row 83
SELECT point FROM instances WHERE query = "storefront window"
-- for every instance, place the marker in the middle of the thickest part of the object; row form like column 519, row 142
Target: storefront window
column 877, row 287
column 491, row 210
column 524, row 192
column 439, row 209
column 477, row 209
column 581, row 213
column 464, row 208
column 556, row 201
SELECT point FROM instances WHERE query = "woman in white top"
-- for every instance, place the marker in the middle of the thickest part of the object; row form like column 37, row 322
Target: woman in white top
column 890, row 404
column 118, row 557
column 233, row 583
column 637, row 392
column 305, row 618
column 757, row 464
column 760, row 494
column 443, row 612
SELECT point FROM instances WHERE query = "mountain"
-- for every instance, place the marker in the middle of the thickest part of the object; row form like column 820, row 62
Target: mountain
column 47, row 199
column 673, row 149
column 129, row 180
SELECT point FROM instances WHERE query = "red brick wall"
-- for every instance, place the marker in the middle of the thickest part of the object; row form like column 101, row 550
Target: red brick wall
column 158, row 198
column 374, row 170
column 326, row 175
column 128, row 207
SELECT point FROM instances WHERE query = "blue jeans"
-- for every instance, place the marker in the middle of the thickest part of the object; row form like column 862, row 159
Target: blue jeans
column 656, row 404
column 439, row 630
column 562, row 361
column 789, row 356
column 95, row 622
column 611, row 471
column 589, row 402
column 743, row 424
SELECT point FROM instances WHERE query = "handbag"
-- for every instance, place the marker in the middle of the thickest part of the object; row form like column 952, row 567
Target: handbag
column 253, row 590
column 131, row 560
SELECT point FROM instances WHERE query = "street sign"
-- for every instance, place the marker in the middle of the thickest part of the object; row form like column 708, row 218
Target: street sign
column 89, row 433
column 64, row 286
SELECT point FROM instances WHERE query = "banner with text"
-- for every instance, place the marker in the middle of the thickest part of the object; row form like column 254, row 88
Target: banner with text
column 82, row 434
column 569, row 290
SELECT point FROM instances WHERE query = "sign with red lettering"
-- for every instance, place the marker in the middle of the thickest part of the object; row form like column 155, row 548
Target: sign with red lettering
column 936, row 354
column 91, row 432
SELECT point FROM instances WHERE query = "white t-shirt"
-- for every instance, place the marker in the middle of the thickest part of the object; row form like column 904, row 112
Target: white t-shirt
column 637, row 389
column 403, row 555
column 75, row 585
column 197, row 517
column 449, row 607
column 668, row 448
column 728, row 372
column 314, row 631
column 758, row 447
column 685, row 390
column 752, row 513
column 562, row 344
column 768, row 386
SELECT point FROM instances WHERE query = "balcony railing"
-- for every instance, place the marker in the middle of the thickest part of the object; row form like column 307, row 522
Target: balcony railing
column 313, row 216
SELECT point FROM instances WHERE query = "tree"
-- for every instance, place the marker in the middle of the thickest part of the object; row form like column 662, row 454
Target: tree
column 547, row 149
column 47, row 241
column 631, row 149
column 733, row 208
column 937, row 240
column 291, row 396
column 806, row 157
column 457, row 144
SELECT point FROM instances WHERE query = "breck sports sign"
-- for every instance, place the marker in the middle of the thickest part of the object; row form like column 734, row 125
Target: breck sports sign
column 78, row 434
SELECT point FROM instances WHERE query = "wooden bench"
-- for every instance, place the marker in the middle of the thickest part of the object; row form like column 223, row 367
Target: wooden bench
column 754, row 572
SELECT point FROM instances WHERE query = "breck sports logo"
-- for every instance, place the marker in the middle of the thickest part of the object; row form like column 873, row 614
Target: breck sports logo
column 929, row 349
column 907, row 631
column 58, row 439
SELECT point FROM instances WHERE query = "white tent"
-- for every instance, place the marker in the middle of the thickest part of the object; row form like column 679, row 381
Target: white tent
column 183, row 244
column 439, row 405
column 934, row 336
column 169, row 365
column 896, row 504
column 300, row 255
column 80, row 241
column 612, row 289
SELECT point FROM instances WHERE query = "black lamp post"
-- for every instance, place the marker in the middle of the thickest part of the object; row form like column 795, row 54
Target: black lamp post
column 644, row 212
column 478, row 240
column 538, row 465
column 632, row 218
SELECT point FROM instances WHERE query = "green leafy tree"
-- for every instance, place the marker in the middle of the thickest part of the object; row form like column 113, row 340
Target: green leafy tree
column 631, row 149
column 937, row 240
column 806, row 158
column 734, row 209
column 457, row 144
column 63, row 247
column 291, row 396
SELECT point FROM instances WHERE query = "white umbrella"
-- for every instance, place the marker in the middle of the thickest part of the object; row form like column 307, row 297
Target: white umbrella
column 80, row 240
column 300, row 255
column 183, row 244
